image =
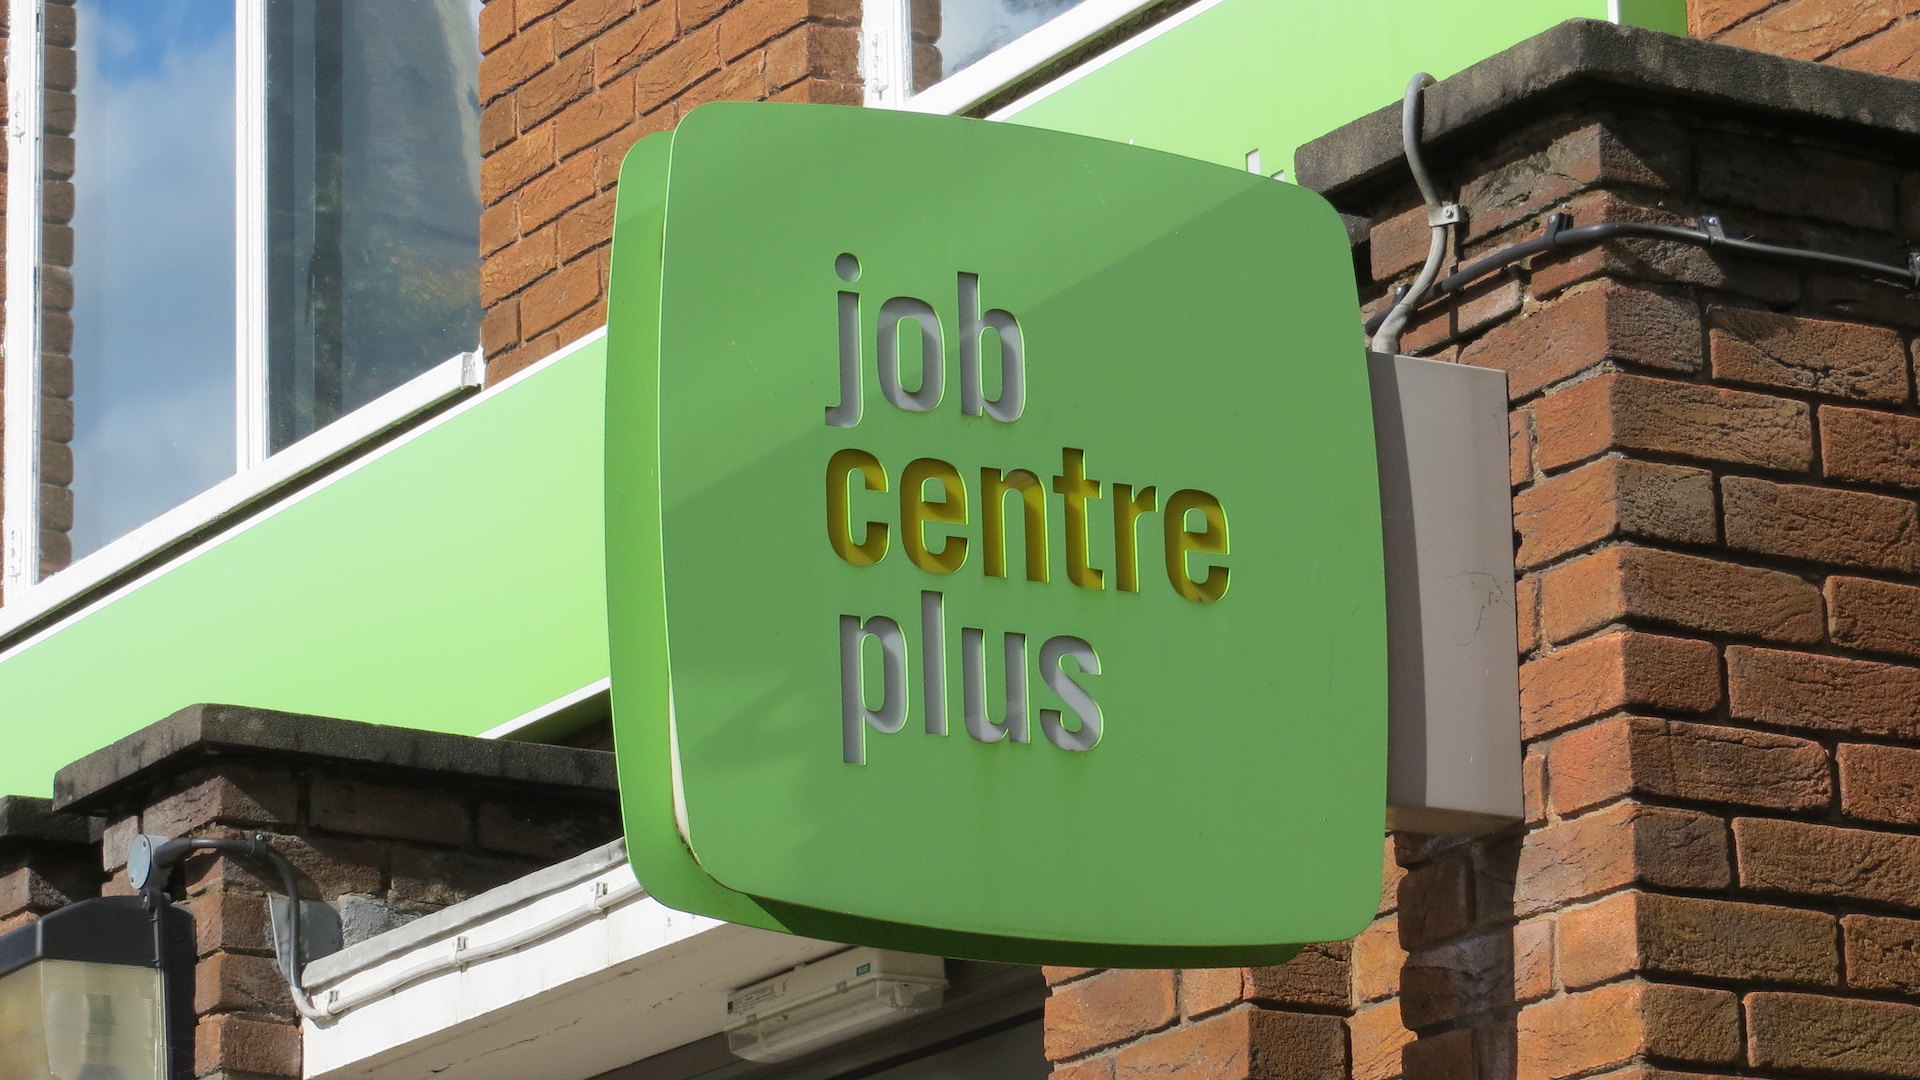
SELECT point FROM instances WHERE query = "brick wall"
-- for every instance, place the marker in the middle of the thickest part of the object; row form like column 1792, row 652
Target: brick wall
column 567, row 86
column 1881, row 36
column 1715, row 463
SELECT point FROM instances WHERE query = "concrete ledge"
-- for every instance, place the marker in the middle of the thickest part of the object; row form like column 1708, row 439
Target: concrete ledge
column 31, row 822
column 197, row 732
column 1582, row 57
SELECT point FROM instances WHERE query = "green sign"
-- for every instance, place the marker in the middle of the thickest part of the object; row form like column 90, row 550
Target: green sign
column 993, row 542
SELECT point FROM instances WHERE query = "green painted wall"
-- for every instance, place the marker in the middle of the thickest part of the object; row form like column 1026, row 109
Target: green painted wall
column 451, row 583
column 1295, row 71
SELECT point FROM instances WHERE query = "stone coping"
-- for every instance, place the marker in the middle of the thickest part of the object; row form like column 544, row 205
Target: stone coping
column 201, row 732
column 1582, row 57
column 31, row 821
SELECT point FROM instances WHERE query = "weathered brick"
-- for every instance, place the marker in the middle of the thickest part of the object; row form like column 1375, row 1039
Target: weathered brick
column 496, row 24
column 1820, row 356
column 1450, row 1055
column 1670, row 759
column 1477, row 975
column 1826, row 693
column 1435, row 902
column 1882, row 953
column 1833, row 1035
column 1798, row 521
column 1615, row 847
column 1870, row 447
column 507, row 168
column 1526, row 615
column 426, row 878
column 594, row 117
column 26, row 889
column 1684, row 591
column 1246, row 1043
column 1109, row 1008
column 228, row 920
column 554, row 828
column 1766, row 174
column 1057, row 975
column 1639, row 933
column 555, row 192
column 675, row 68
column 1643, row 154
column 1099, row 1068
column 1826, row 861
column 1391, row 875
column 1519, row 446
column 324, row 866
column 581, row 21
column 235, row 982
column 1895, row 52
column 500, row 327
column 1880, row 783
column 237, row 796
column 822, row 92
column 515, row 61
column 1377, row 959
column 1205, row 991
column 399, row 813
column 237, row 1044
column 1580, row 1032
column 1706, row 18
column 1633, row 412
column 549, row 301
column 744, row 79
column 1623, row 670
column 756, row 22
column 1614, row 498
column 511, row 268
column 811, row 50
column 695, row 12
column 555, row 88
column 1602, row 323
column 1378, row 1037
column 1875, row 616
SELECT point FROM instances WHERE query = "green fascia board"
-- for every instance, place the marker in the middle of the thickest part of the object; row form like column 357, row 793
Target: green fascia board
column 1225, row 80
column 449, row 581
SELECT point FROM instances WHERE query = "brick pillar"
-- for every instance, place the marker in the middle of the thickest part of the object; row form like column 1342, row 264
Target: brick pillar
column 568, row 87
column 383, row 823
column 47, row 861
column 1715, row 465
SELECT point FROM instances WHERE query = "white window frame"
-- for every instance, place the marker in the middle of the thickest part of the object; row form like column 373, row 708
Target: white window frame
column 258, row 472
column 887, row 55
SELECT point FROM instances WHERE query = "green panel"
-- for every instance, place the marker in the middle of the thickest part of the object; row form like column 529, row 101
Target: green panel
column 451, row 583
column 1186, row 326
column 1261, row 75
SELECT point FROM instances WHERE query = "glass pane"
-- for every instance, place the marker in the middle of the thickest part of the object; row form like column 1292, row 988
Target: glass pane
column 1013, row 1054
column 373, row 179
column 68, row 1020
column 949, row 35
column 138, row 291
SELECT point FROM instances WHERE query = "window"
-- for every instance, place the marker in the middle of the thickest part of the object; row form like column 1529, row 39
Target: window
column 255, row 218
column 945, row 55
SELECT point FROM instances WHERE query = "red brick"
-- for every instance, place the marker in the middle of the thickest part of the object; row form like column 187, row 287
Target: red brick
column 1378, row 1038
column 1478, row 975
column 235, row 1044
column 755, row 22
column 830, row 52
column 1833, row 1035
column 398, row 813
column 583, row 20
column 594, row 117
column 1533, row 785
column 1870, row 447
column 498, row 124
column 1844, row 528
column 1649, row 934
column 675, row 68
column 1880, row 783
column 1894, row 52
column 1818, row 356
column 515, row 61
column 554, row 89
column 1604, row 323
column 1377, row 959
column 530, row 11
column 1642, row 154
column 694, row 12
column 500, row 327
column 744, row 79
column 1633, row 412
column 516, row 163
column 1874, row 616
column 1526, row 615
column 1519, row 447
column 1764, row 174
column 1826, row 861
column 1670, row 759
column 1204, row 991
column 238, row 797
column 1450, row 1055
column 226, row 920
column 1391, row 875
column 559, row 190
column 1826, row 693
column 511, row 268
column 1610, row 499
column 1399, row 242
column 1619, row 846
column 556, row 828
column 1623, row 670
column 1580, row 1032
column 25, row 889
column 627, row 43
column 1319, row 975
column 1810, row 31
column 1683, row 591
column 1109, row 1008
column 232, row 982
column 426, row 878
column 1882, row 953
column 1705, row 18
column 1246, row 1043
column 549, row 301
column 496, row 24
column 325, row 866
column 1100, row 1068
column 822, row 92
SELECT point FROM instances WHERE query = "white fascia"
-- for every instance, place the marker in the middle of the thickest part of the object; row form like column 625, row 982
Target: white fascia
column 563, row 974
column 888, row 36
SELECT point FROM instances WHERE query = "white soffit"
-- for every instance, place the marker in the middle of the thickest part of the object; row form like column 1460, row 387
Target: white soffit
column 563, row 974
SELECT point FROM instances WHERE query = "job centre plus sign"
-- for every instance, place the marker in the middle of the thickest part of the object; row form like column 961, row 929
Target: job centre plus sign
column 932, row 493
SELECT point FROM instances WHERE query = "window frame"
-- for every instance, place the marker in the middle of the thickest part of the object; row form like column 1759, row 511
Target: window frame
column 258, row 472
column 887, row 54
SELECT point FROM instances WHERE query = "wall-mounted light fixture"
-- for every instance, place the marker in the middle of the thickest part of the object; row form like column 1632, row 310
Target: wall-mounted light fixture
column 99, row 990
column 831, row 1000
